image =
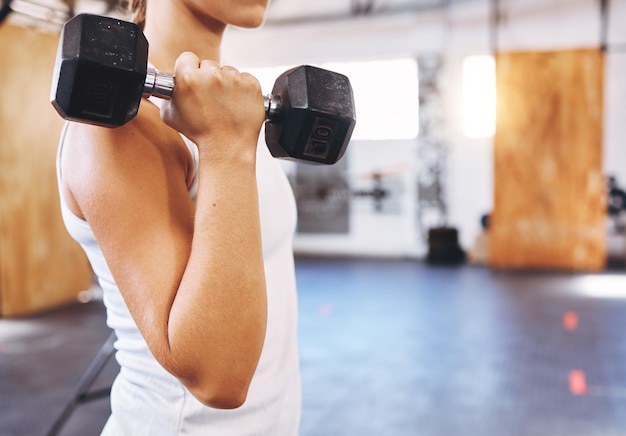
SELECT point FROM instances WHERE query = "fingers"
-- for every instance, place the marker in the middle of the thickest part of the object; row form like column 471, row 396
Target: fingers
column 208, row 64
column 188, row 65
column 187, row 61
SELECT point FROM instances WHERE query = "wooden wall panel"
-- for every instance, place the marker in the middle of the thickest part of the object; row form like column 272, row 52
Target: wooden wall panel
column 549, row 205
column 40, row 265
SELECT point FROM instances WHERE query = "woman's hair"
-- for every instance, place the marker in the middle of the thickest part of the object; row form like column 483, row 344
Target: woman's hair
column 136, row 10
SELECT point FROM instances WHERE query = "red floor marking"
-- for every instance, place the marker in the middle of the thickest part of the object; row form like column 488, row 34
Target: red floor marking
column 578, row 382
column 570, row 321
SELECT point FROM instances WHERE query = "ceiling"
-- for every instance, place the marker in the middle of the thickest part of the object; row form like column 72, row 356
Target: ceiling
column 302, row 11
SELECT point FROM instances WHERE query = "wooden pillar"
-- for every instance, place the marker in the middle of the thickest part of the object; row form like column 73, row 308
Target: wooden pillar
column 550, row 191
column 40, row 265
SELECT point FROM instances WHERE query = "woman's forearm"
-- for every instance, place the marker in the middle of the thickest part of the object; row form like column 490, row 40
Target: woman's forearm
column 216, row 325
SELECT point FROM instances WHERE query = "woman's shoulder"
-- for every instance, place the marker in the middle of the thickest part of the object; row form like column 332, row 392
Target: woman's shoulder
column 95, row 157
column 146, row 130
column 144, row 137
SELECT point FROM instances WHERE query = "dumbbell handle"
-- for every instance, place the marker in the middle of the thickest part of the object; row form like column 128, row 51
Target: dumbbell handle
column 161, row 85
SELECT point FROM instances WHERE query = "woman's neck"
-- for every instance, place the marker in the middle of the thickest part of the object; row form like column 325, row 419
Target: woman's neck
column 172, row 29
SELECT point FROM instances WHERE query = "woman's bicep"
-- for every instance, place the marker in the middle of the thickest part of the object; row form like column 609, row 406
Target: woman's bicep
column 135, row 198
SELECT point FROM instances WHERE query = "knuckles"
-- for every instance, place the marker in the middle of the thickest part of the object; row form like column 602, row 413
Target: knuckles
column 192, row 73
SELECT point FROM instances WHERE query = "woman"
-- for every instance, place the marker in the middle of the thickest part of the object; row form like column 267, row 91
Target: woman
column 188, row 227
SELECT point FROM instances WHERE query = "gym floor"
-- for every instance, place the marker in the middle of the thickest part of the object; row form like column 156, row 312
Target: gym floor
column 388, row 348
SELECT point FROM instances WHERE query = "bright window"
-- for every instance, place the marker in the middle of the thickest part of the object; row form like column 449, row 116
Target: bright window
column 479, row 96
column 385, row 95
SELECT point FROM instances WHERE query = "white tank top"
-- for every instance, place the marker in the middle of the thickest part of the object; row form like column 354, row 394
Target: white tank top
column 146, row 399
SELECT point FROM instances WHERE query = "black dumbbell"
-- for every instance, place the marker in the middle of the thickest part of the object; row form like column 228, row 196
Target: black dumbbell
column 102, row 72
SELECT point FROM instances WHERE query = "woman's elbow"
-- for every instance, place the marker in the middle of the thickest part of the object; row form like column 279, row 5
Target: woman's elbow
column 226, row 395
column 226, row 401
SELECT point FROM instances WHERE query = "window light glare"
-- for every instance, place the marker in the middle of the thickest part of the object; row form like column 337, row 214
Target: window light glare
column 601, row 286
column 386, row 98
column 479, row 96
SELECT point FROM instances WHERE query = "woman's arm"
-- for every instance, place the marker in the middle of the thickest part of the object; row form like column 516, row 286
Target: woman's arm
column 192, row 278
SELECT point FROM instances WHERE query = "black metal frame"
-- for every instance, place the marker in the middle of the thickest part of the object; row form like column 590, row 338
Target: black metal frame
column 5, row 10
column 81, row 394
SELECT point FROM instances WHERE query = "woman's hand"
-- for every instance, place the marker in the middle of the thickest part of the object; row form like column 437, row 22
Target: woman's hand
column 218, row 108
